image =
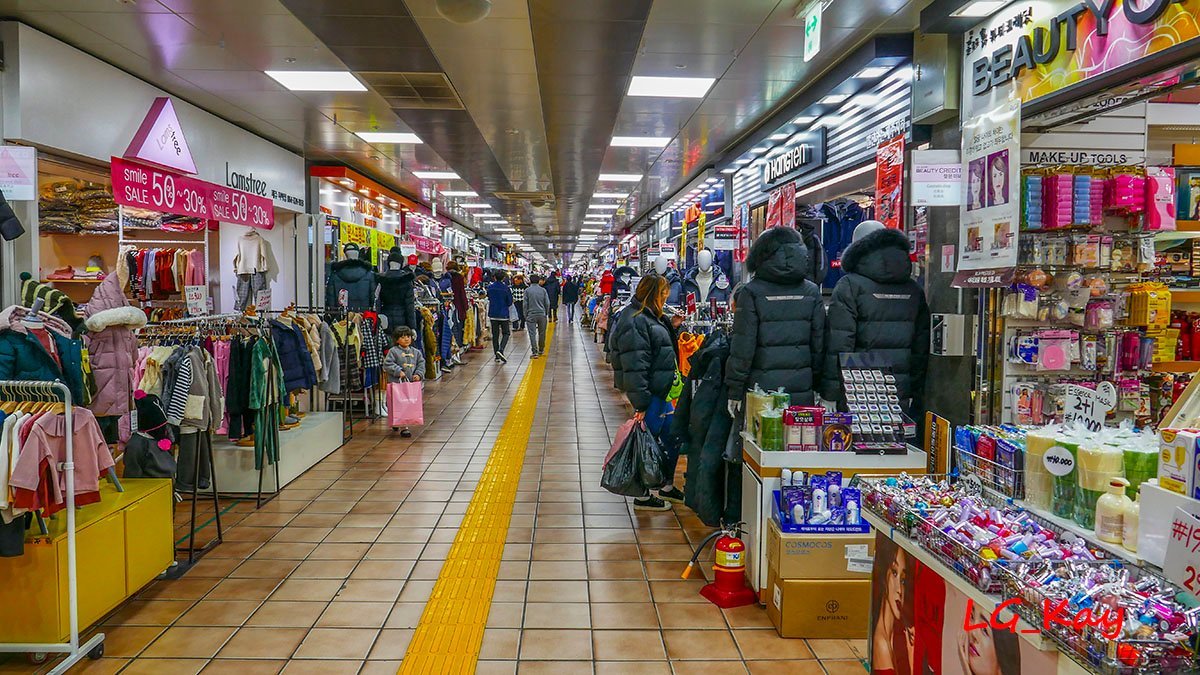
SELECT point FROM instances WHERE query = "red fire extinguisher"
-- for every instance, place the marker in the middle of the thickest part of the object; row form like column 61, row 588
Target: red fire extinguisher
column 728, row 587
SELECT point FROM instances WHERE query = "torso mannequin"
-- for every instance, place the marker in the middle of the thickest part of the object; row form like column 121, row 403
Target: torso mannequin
column 704, row 280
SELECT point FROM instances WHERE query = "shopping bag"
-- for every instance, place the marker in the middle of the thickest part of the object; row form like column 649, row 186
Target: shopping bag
column 622, row 434
column 512, row 313
column 406, row 406
column 636, row 467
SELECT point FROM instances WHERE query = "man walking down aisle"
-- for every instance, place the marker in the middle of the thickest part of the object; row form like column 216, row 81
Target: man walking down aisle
column 500, row 298
column 537, row 312
column 570, row 297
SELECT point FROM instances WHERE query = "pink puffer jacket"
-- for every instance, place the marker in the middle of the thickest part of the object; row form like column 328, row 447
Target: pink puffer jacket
column 112, row 347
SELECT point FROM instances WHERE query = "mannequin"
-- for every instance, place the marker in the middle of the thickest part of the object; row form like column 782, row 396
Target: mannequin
column 354, row 278
column 662, row 265
column 396, row 298
column 706, row 280
column 251, row 264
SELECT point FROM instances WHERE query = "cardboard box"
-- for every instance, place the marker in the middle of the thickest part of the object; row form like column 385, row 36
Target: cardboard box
column 819, row 608
column 819, row 556
column 1177, row 461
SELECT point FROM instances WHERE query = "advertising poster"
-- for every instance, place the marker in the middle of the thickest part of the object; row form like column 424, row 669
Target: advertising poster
column 990, row 213
column 787, row 205
column 889, row 182
column 774, row 212
column 937, row 178
column 921, row 624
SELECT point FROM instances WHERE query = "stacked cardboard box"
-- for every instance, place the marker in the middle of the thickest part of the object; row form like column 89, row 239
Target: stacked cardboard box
column 819, row 585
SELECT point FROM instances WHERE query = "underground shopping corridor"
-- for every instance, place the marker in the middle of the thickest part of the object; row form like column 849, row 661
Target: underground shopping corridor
column 341, row 572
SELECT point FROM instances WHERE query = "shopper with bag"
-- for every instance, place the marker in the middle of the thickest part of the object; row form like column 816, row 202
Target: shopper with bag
column 500, row 300
column 404, row 364
column 644, row 365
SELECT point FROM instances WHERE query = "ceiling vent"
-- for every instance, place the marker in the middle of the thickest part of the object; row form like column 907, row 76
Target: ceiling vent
column 414, row 91
column 537, row 198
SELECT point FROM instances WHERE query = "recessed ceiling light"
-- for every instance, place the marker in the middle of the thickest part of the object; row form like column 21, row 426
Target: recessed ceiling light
column 803, row 119
column 474, row 206
column 640, row 141
column 758, row 151
column 979, row 8
column 585, row 231
column 872, row 72
column 496, row 222
column 620, row 177
column 729, row 169
column 398, row 137
column 503, row 229
column 603, row 207
column 609, row 195
column 778, row 137
column 834, row 99
column 316, row 80
column 459, row 193
column 670, row 87
column 436, row 175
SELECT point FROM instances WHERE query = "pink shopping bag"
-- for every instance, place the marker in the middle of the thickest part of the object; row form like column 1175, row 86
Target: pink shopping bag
column 622, row 434
column 405, row 404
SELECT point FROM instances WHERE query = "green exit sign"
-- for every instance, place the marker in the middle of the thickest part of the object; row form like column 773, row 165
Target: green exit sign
column 812, row 30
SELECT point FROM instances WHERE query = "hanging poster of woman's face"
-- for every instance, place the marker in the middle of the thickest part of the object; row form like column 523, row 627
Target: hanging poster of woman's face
column 975, row 183
column 997, row 177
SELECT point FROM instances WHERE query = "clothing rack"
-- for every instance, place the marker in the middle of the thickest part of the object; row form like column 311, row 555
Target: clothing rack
column 124, row 240
column 73, row 650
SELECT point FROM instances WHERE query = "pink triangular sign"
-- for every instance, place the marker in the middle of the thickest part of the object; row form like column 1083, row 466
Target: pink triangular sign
column 11, row 168
column 160, row 139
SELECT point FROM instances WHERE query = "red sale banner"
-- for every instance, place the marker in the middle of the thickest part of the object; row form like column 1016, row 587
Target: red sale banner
column 147, row 187
column 889, row 182
column 242, row 208
column 774, row 216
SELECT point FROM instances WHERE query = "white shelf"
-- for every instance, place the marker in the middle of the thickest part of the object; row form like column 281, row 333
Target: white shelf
column 986, row 601
column 915, row 460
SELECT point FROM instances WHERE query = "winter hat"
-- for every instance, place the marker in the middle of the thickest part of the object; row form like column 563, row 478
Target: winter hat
column 152, row 419
column 413, row 259
column 395, row 255
column 867, row 227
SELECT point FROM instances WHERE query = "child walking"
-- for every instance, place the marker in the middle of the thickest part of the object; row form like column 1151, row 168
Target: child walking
column 404, row 362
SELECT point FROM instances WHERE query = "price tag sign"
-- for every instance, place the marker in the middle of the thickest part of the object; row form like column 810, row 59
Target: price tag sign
column 197, row 300
column 262, row 300
column 691, row 303
column 343, row 298
column 1182, row 564
column 1059, row 461
column 1088, row 407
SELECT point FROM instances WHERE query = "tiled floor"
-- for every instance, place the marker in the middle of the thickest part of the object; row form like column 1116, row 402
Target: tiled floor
column 333, row 575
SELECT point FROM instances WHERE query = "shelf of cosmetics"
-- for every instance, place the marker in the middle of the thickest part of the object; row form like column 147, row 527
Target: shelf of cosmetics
column 817, row 504
column 1144, row 399
column 1142, row 623
column 877, row 426
column 1061, row 197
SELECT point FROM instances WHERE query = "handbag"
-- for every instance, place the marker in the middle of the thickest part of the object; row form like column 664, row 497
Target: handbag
column 406, row 404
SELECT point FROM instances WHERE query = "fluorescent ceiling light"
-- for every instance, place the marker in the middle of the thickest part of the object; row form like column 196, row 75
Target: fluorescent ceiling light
column 474, row 206
column 459, row 193
column 436, row 175
column 388, row 137
column 620, row 177
column 834, row 99
column 603, row 207
column 872, row 72
column 640, row 141
column 503, row 229
column 589, row 231
column 804, row 119
column 495, row 222
column 980, row 8
column 758, row 151
column 609, row 195
column 316, row 80
column 778, row 137
column 670, row 87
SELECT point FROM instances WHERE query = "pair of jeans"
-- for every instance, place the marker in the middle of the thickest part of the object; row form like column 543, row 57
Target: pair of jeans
column 500, row 334
column 570, row 312
column 658, row 422
column 519, row 324
column 537, row 333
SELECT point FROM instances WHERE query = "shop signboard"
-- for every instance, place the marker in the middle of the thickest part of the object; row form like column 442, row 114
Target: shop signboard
column 18, row 173
column 159, row 140
column 668, row 250
column 889, row 182
column 990, row 212
column 741, row 220
column 428, row 246
column 937, row 178
column 725, row 237
column 802, row 155
column 1042, row 48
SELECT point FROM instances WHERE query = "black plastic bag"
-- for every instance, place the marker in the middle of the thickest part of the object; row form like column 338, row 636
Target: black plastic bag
column 637, row 467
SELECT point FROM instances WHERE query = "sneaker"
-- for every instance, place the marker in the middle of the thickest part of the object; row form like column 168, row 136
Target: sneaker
column 501, row 358
column 497, row 358
column 650, row 503
column 672, row 494
column 447, row 368
column 405, row 433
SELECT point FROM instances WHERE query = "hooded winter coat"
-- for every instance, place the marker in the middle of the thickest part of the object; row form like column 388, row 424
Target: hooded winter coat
column 397, row 301
column 294, row 358
column 644, row 356
column 570, row 292
column 606, row 283
column 553, row 289
column 778, row 337
column 702, row 426
column 112, row 347
column 356, row 278
column 22, row 356
column 720, row 290
column 675, row 297
column 879, row 309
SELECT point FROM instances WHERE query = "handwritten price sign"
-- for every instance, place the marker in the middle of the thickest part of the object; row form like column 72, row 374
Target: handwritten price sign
column 1088, row 407
column 1182, row 564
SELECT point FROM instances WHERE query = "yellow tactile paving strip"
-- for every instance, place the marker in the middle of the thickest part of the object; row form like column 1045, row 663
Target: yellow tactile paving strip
column 450, row 633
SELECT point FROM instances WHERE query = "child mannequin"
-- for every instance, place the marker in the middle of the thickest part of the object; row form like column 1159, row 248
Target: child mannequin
column 404, row 362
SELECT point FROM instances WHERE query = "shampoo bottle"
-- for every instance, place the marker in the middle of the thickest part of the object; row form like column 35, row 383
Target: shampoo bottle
column 1129, row 523
column 1110, row 509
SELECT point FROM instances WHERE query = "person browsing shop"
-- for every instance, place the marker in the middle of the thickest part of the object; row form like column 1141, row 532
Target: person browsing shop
column 404, row 362
column 537, row 313
column 500, row 298
column 645, row 370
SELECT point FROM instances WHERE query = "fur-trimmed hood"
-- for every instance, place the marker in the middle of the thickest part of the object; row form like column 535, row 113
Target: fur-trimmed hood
column 780, row 256
column 881, row 256
column 124, row 317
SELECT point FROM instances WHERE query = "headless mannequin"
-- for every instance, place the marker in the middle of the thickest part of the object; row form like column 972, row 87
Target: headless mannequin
column 704, row 275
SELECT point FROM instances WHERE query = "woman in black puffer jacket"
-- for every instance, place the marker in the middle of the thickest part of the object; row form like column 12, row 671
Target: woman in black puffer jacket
column 878, row 308
column 778, row 337
column 644, row 363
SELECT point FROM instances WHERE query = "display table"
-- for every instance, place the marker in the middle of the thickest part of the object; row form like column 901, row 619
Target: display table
column 761, row 472
column 122, row 543
column 319, row 434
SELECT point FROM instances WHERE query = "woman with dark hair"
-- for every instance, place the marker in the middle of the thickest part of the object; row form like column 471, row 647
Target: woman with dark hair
column 644, row 365
column 986, row 651
column 894, row 631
